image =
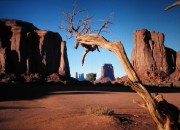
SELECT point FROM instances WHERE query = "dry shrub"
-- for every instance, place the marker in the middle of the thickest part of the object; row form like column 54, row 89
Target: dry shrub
column 99, row 110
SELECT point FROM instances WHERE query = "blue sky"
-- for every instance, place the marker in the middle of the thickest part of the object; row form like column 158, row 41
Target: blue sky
column 128, row 16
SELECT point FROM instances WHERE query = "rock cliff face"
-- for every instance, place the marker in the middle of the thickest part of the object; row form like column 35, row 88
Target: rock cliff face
column 178, row 61
column 107, row 74
column 150, row 58
column 64, row 63
column 26, row 49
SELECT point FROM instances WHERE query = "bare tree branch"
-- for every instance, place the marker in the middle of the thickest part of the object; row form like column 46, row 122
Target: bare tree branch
column 141, row 104
column 164, row 114
column 172, row 5
column 81, row 27
column 104, row 25
column 84, row 55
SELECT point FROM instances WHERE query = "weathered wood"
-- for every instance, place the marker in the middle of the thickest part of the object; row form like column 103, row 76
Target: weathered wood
column 95, row 39
column 163, row 120
column 172, row 5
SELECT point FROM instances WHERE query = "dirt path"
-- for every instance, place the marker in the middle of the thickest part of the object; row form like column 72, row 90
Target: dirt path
column 65, row 110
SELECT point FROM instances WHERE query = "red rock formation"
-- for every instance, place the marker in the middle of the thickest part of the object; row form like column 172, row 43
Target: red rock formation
column 176, row 74
column 178, row 61
column 14, row 41
column 2, row 60
column 64, row 63
column 26, row 49
column 122, row 80
column 141, row 52
column 41, row 34
column 150, row 58
column 107, row 74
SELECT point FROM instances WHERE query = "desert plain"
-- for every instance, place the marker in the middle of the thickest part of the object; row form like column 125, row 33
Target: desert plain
column 57, row 107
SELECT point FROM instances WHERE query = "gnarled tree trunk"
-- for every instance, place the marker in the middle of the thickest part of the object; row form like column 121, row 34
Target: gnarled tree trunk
column 164, row 114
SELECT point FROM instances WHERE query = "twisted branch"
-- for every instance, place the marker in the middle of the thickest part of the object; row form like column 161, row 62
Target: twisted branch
column 172, row 5
column 164, row 118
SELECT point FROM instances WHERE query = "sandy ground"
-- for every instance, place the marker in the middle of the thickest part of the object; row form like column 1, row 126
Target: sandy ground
column 65, row 110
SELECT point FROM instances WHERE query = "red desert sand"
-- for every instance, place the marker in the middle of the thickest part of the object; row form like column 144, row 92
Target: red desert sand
column 65, row 110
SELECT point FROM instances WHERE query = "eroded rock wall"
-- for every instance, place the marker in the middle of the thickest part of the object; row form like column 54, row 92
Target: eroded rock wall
column 26, row 49
column 178, row 61
column 151, row 59
column 64, row 68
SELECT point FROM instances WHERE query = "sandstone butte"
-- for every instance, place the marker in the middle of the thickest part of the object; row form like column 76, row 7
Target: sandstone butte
column 107, row 74
column 153, row 62
column 25, row 49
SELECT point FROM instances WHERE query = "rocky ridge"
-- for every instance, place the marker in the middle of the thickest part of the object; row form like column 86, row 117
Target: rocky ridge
column 27, row 50
column 153, row 62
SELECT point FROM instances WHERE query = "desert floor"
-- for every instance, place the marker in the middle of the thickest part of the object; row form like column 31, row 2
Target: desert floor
column 56, row 107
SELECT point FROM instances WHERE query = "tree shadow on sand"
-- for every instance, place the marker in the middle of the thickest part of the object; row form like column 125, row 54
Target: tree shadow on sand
column 18, row 107
column 124, row 118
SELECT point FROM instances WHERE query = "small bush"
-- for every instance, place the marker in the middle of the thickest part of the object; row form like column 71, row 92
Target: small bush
column 99, row 110
column 91, row 77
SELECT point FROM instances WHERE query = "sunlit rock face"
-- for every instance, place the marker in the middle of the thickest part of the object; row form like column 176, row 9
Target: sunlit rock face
column 107, row 74
column 26, row 49
column 150, row 58
column 178, row 61
column 176, row 74
column 64, row 68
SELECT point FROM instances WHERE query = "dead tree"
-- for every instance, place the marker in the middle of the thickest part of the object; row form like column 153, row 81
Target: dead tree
column 164, row 114
column 80, row 28
column 172, row 5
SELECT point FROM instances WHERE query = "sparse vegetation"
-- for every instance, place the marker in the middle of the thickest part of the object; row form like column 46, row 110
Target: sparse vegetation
column 91, row 77
column 99, row 110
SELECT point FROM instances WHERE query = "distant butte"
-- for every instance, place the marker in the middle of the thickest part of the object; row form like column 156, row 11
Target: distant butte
column 107, row 74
